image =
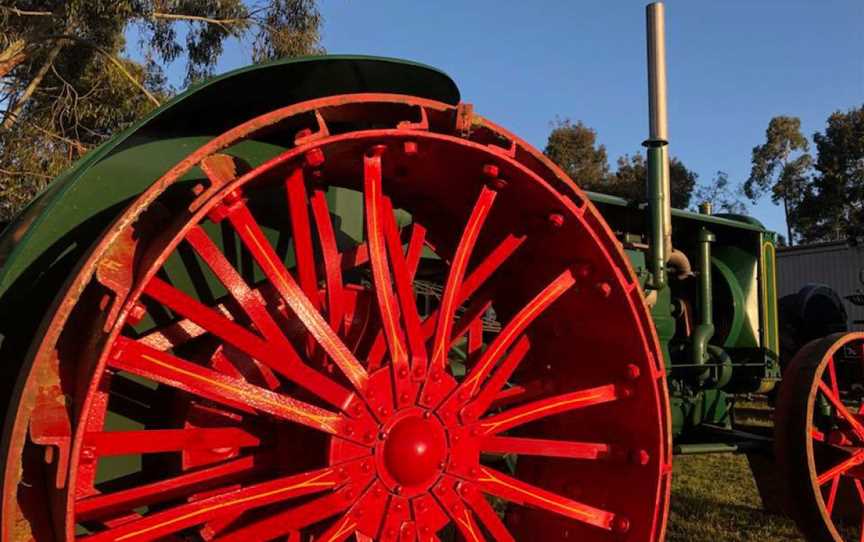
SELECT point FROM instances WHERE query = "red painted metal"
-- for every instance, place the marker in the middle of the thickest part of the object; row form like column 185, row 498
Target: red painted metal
column 820, row 438
column 316, row 400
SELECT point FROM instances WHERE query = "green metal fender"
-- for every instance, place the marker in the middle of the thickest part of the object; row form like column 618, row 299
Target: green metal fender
column 40, row 248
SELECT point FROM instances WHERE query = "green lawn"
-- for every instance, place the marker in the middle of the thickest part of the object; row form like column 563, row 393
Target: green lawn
column 714, row 498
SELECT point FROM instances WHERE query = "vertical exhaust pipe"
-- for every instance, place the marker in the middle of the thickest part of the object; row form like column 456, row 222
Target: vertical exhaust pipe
column 659, row 197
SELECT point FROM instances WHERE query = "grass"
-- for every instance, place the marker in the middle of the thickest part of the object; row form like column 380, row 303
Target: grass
column 714, row 498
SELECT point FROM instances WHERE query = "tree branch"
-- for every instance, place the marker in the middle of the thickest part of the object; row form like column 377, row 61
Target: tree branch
column 24, row 174
column 12, row 56
column 12, row 113
column 224, row 23
column 24, row 13
column 111, row 58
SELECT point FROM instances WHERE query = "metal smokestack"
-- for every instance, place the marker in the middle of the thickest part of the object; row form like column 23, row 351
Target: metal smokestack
column 656, row 27
column 659, row 197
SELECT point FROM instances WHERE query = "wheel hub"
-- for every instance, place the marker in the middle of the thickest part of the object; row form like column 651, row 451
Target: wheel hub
column 414, row 449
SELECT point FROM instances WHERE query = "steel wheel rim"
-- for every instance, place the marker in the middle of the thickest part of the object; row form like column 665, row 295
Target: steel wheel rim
column 452, row 491
column 825, row 495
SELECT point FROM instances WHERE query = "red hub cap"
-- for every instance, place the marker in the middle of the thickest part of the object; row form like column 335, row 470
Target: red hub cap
column 414, row 450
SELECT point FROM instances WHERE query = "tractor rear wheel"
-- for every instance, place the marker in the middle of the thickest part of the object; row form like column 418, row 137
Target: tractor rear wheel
column 819, row 437
column 230, row 364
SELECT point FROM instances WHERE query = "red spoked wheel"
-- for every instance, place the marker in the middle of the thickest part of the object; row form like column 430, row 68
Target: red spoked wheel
column 230, row 363
column 820, row 437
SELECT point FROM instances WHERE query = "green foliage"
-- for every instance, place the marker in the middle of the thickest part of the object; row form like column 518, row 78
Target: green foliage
column 65, row 86
column 780, row 166
column 574, row 147
column 631, row 177
column 721, row 194
column 832, row 207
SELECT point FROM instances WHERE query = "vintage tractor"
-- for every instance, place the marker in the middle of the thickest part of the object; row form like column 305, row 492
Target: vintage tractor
column 323, row 300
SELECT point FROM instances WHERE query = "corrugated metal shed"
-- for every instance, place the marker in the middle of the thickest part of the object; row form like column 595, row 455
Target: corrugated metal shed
column 836, row 264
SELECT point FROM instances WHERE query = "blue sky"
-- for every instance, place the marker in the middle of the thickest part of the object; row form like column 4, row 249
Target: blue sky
column 732, row 66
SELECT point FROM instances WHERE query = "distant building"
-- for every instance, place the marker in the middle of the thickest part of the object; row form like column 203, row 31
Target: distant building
column 837, row 264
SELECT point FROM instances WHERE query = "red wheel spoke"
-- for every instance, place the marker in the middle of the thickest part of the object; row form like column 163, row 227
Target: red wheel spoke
column 518, row 492
column 301, row 235
column 232, row 362
column 365, row 515
column 266, row 257
column 489, row 265
column 186, row 515
column 293, row 519
column 415, row 250
column 466, row 524
column 416, row 242
column 404, row 277
column 832, row 376
column 548, row 407
column 832, row 494
column 359, row 254
column 842, row 410
column 120, row 502
column 476, row 278
column 397, row 514
column 251, row 301
column 544, row 447
column 472, row 316
column 375, row 225
column 452, row 288
column 488, row 516
column 332, row 268
column 167, row 369
column 492, row 390
column 286, row 362
column 154, row 441
column 340, row 530
column 456, row 509
column 854, row 460
column 515, row 327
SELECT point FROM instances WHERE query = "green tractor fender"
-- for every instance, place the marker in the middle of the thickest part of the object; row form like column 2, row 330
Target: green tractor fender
column 40, row 248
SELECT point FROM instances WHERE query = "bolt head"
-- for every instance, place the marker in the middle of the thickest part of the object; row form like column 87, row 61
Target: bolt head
column 640, row 457
column 621, row 524
column 604, row 289
column 410, row 148
column 376, row 150
column 583, row 270
column 556, row 220
column 490, row 170
column 233, row 196
column 497, row 184
column 632, row 371
column 314, row 157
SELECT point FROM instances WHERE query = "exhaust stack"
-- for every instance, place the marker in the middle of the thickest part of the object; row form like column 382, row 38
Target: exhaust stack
column 659, row 197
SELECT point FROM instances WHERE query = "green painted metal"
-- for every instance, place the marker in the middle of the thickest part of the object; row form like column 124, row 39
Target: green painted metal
column 48, row 240
column 93, row 187
column 656, row 208
column 705, row 329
